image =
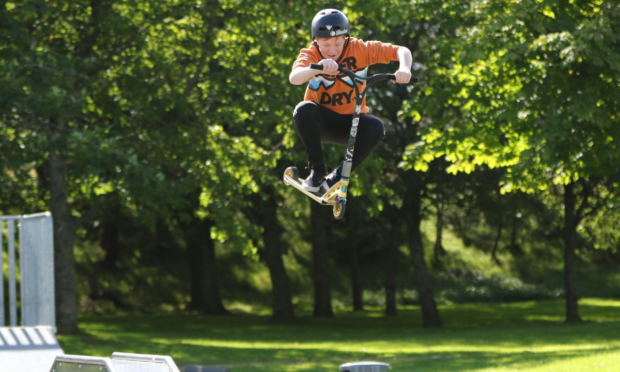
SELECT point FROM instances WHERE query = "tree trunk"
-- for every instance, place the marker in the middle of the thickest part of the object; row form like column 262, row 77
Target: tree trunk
column 264, row 213
column 570, row 243
column 515, row 248
column 356, row 283
column 64, row 258
column 438, row 249
column 110, row 242
column 430, row 313
column 272, row 238
column 322, row 290
column 204, row 280
column 498, row 236
column 391, row 266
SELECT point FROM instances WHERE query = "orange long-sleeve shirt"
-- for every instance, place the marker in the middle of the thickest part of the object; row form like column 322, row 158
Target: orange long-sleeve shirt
column 336, row 92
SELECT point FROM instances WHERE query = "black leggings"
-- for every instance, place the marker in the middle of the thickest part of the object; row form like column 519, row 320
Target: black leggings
column 317, row 124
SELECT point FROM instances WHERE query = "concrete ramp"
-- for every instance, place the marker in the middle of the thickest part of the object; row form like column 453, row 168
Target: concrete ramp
column 30, row 268
column 119, row 362
column 365, row 367
column 27, row 349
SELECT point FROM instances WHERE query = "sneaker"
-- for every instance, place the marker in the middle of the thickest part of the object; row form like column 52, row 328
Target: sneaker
column 332, row 178
column 317, row 174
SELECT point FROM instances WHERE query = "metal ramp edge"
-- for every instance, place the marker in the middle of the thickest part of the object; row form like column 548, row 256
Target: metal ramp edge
column 26, row 349
column 119, row 362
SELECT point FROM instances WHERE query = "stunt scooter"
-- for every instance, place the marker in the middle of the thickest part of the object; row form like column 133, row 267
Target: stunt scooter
column 336, row 196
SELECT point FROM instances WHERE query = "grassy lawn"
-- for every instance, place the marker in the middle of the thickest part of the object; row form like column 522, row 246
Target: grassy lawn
column 528, row 336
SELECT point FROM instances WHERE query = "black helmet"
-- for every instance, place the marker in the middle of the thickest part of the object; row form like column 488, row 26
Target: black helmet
column 330, row 23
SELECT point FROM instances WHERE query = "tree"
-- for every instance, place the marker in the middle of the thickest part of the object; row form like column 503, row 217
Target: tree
column 535, row 84
column 86, row 76
column 320, row 259
column 264, row 213
column 49, row 68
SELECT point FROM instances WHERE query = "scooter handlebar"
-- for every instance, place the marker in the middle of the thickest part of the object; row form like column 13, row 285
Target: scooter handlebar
column 316, row 66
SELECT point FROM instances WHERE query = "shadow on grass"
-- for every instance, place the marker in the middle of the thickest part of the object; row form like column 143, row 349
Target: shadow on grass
column 511, row 362
column 475, row 337
column 450, row 362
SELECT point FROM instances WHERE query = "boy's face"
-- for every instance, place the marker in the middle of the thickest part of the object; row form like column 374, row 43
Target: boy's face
column 331, row 48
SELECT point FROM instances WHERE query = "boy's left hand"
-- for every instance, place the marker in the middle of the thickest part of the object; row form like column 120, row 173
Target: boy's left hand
column 403, row 75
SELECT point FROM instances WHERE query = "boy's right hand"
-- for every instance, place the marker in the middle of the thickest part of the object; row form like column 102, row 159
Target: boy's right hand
column 330, row 67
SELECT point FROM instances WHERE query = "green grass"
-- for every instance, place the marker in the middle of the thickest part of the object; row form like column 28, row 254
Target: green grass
column 527, row 336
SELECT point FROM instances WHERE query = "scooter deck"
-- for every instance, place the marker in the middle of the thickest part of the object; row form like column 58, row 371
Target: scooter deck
column 314, row 195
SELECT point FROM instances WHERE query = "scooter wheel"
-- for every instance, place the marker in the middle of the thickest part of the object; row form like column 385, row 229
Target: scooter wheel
column 291, row 172
column 339, row 208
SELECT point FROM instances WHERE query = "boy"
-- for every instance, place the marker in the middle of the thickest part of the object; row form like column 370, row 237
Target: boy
column 326, row 113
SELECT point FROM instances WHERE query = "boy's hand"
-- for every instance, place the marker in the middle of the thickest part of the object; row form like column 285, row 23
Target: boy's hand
column 330, row 67
column 403, row 75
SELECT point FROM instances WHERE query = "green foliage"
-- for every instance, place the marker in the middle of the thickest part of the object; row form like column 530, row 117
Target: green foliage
column 536, row 93
column 169, row 112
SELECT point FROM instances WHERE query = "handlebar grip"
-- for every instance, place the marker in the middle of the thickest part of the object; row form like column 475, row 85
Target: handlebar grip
column 413, row 79
column 316, row 66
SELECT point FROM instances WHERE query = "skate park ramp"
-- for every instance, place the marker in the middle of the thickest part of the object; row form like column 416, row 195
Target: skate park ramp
column 27, row 348
column 365, row 367
column 27, row 308
column 119, row 362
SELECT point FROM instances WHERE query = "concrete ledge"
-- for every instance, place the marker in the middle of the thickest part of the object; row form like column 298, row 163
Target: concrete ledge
column 26, row 349
column 365, row 367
